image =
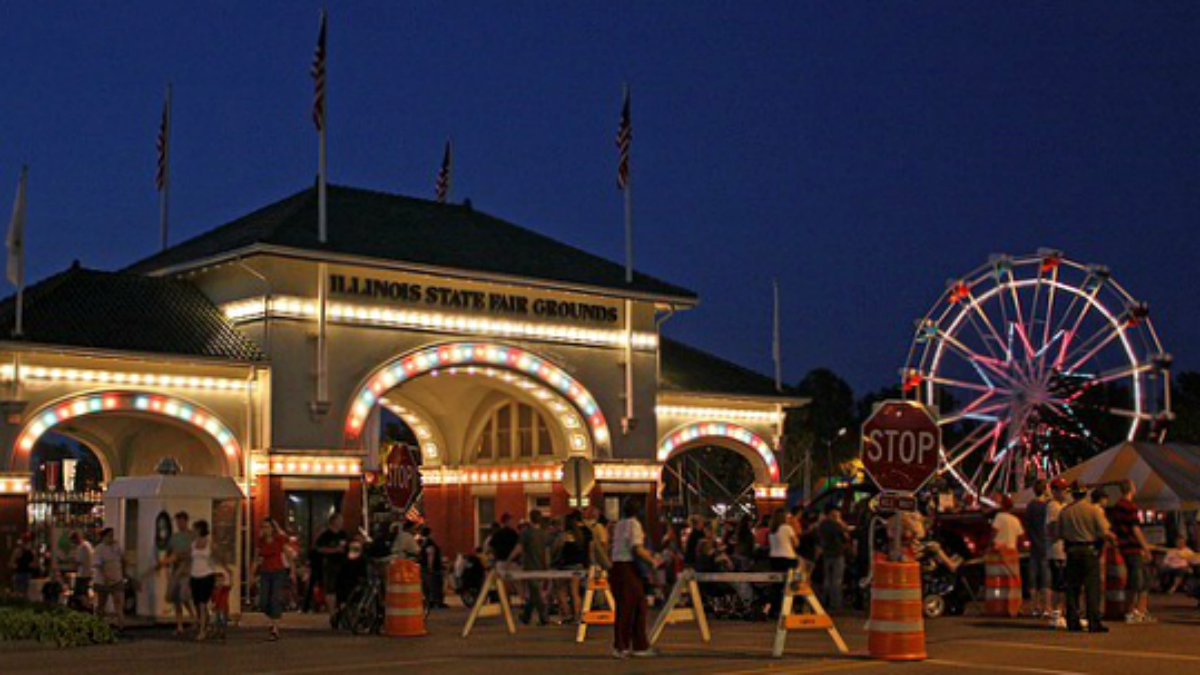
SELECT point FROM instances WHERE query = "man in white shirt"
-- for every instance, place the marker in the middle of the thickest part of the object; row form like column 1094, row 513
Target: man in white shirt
column 628, row 548
column 84, row 564
column 1058, row 551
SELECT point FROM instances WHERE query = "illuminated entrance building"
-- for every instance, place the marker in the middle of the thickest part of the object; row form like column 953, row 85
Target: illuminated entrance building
column 253, row 351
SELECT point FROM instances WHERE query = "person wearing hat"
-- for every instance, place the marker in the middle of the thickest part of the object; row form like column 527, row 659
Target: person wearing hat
column 1057, row 552
column 1084, row 529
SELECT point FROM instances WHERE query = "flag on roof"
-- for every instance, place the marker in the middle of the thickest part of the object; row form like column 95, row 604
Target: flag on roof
column 444, row 174
column 624, row 140
column 318, row 75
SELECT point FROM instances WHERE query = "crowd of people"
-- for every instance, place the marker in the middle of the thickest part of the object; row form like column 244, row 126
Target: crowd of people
column 638, row 571
column 1071, row 531
column 1067, row 531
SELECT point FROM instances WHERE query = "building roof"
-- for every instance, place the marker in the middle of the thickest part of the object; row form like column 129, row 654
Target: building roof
column 687, row 369
column 116, row 311
column 405, row 229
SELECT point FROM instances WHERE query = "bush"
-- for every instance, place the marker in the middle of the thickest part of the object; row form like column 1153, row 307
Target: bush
column 21, row 620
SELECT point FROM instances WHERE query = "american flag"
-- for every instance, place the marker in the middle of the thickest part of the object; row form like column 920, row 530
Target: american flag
column 624, row 139
column 413, row 515
column 443, row 179
column 164, row 139
column 318, row 75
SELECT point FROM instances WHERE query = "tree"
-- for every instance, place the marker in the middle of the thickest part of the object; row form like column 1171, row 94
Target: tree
column 1185, row 402
column 819, row 425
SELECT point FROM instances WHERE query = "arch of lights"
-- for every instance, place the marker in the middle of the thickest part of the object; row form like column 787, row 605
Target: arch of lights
column 688, row 434
column 493, row 360
column 95, row 403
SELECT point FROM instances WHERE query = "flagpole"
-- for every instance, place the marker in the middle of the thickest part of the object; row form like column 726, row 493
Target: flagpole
column 164, row 197
column 629, row 211
column 322, row 217
column 776, row 346
column 630, row 418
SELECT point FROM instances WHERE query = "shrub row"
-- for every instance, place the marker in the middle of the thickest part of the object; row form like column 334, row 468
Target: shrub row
column 20, row 620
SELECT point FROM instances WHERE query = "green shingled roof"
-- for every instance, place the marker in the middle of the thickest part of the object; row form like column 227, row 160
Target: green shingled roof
column 404, row 229
column 686, row 368
column 114, row 311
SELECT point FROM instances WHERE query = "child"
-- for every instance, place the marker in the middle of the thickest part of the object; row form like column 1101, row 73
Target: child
column 220, row 601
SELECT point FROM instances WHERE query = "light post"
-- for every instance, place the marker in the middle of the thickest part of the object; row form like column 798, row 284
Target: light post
column 829, row 451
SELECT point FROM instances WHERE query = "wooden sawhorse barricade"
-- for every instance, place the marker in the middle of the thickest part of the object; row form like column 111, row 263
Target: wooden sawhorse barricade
column 596, row 583
column 796, row 586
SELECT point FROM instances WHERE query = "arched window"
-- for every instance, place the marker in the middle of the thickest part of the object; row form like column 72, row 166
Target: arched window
column 514, row 432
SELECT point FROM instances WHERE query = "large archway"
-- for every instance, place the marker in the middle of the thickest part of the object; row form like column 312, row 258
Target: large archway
column 717, row 468
column 723, row 434
column 118, row 419
column 562, row 396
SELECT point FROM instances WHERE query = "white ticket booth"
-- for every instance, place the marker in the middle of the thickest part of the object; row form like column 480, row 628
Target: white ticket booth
column 141, row 511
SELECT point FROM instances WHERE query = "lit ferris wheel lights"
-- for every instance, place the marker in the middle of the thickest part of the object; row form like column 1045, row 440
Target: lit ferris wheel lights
column 1035, row 363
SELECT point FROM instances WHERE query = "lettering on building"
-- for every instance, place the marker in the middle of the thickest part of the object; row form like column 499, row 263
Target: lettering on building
column 448, row 297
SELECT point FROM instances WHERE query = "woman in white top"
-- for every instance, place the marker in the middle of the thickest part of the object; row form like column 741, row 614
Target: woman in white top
column 629, row 590
column 203, row 575
column 783, row 540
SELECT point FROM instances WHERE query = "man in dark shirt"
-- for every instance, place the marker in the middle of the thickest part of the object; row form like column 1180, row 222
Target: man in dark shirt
column 504, row 540
column 534, row 552
column 834, row 538
column 1136, row 552
column 331, row 545
column 1039, row 548
column 433, row 570
column 501, row 545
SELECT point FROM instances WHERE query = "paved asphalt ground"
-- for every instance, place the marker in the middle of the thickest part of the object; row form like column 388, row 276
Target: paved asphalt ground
column 955, row 645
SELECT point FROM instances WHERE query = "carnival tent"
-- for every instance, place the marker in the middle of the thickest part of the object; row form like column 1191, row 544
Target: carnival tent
column 1167, row 475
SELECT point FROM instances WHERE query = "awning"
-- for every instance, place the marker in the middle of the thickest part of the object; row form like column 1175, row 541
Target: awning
column 1167, row 475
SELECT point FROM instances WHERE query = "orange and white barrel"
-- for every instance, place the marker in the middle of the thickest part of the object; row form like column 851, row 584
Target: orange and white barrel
column 1002, row 586
column 405, row 606
column 1116, row 580
column 896, row 629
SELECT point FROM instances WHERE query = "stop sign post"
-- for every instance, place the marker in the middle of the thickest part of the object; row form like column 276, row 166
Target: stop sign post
column 579, row 477
column 901, row 443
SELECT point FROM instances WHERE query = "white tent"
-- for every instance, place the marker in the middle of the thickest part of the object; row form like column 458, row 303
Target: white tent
column 1167, row 475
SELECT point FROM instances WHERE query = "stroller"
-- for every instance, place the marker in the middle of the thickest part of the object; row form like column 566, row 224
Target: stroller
column 730, row 601
column 470, row 579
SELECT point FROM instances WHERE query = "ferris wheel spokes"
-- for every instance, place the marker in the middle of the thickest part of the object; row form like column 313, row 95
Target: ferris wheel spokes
column 1016, row 351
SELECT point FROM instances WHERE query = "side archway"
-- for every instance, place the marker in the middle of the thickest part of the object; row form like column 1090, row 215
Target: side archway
column 428, row 360
column 725, row 434
column 130, row 403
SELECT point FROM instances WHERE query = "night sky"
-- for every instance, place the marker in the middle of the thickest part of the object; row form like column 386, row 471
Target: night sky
column 862, row 154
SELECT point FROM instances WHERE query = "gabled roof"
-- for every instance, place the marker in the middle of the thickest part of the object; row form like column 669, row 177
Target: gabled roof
column 125, row 312
column 408, row 230
column 684, row 368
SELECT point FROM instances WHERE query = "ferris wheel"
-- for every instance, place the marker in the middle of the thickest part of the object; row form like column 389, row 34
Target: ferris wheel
column 1034, row 364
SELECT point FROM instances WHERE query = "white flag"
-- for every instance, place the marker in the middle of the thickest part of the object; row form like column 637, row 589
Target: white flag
column 16, row 237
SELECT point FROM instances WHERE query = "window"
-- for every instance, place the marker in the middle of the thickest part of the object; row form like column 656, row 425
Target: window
column 525, row 431
column 504, row 444
column 485, row 515
column 515, row 432
column 308, row 513
column 539, row 502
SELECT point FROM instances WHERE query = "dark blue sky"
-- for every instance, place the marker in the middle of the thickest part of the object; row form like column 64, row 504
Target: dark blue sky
column 862, row 152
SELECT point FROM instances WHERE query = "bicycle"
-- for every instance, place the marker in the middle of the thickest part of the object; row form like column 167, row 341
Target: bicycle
column 363, row 611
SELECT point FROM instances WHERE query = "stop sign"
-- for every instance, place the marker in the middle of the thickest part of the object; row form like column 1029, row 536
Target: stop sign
column 900, row 445
column 401, row 476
